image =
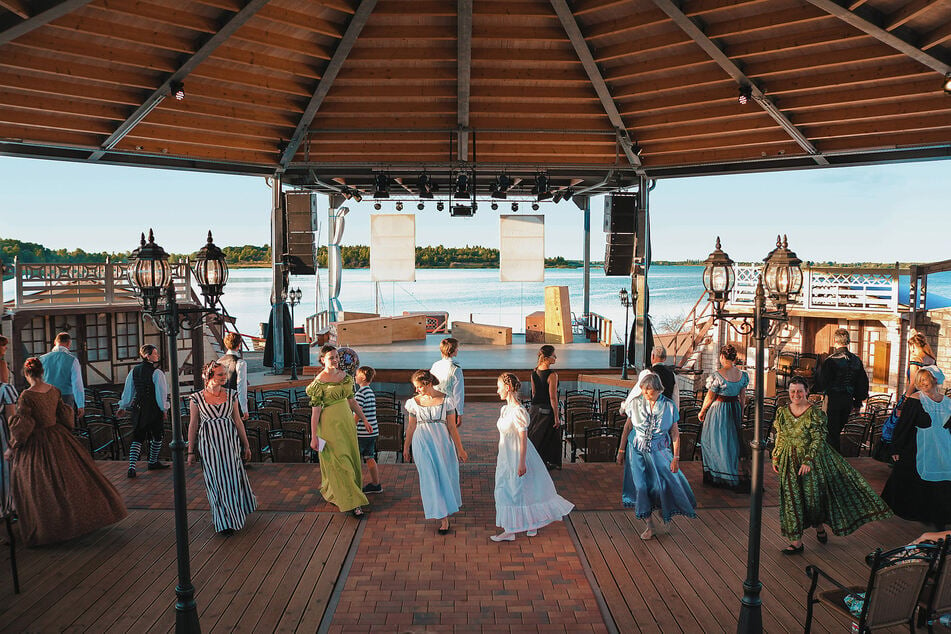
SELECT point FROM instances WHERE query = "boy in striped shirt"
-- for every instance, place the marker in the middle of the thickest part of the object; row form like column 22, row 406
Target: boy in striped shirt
column 367, row 437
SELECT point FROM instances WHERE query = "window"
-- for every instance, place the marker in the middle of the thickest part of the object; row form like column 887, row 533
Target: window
column 97, row 337
column 34, row 337
column 127, row 335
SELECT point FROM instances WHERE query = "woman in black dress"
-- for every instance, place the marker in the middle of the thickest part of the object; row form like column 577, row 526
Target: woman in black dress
column 544, row 429
column 919, row 487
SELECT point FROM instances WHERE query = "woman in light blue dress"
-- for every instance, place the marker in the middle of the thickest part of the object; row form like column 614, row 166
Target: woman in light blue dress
column 436, row 449
column 525, row 497
column 722, row 418
column 653, row 480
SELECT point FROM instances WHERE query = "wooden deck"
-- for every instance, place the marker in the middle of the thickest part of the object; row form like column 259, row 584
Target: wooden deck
column 300, row 566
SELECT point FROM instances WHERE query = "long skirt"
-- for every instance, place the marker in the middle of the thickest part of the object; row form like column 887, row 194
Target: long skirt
column 527, row 502
column 650, row 486
column 720, row 443
column 544, row 435
column 226, row 481
column 341, row 469
column 438, row 466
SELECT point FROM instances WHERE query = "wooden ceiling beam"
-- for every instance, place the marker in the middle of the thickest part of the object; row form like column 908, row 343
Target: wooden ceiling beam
column 186, row 149
column 212, row 138
column 785, row 18
column 81, row 89
column 62, row 105
column 697, row 35
column 812, row 62
column 255, row 78
column 463, row 76
column 868, row 20
column 19, row 57
column 110, row 55
column 925, row 104
column 164, row 117
column 723, row 155
column 354, row 28
column 47, row 136
column 703, row 129
column 858, row 94
column 938, row 36
column 44, row 12
column 886, row 70
column 265, row 63
column 233, row 23
column 740, row 139
column 627, row 24
column 55, row 121
column 799, row 42
column 933, row 121
column 106, row 30
column 909, row 12
column 301, row 20
column 296, row 47
column 888, row 140
column 171, row 16
column 573, row 30
column 17, row 7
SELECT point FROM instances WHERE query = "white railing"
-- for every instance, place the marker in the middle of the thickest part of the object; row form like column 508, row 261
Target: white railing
column 831, row 288
column 316, row 323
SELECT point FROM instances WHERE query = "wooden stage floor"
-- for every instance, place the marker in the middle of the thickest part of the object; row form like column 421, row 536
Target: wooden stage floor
column 300, row 566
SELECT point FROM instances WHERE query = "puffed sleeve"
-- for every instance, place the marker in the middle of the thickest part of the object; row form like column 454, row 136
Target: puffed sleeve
column 348, row 391
column 715, row 383
column 744, row 379
column 64, row 415
column 22, row 423
column 815, row 434
column 410, row 407
column 779, row 444
column 316, row 394
column 520, row 418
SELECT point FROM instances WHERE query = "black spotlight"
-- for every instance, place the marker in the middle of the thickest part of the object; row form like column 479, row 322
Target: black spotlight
column 501, row 186
column 399, row 206
column 377, row 206
column 382, row 182
column 746, row 95
column 440, row 206
column 514, row 206
column 558, row 196
column 534, row 206
column 567, row 194
column 495, row 206
column 462, row 185
column 421, row 206
column 541, row 190
column 177, row 89
column 424, row 186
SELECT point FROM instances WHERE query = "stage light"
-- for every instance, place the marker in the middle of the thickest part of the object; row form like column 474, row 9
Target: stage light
column 177, row 90
column 567, row 194
column 501, row 186
column 357, row 196
column 495, row 206
column 557, row 196
column 534, row 206
column 514, row 206
column 440, row 206
column 425, row 186
column 947, row 84
column 462, row 185
column 377, row 206
column 541, row 190
column 746, row 94
column 421, row 206
column 399, row 206
column 382, row 182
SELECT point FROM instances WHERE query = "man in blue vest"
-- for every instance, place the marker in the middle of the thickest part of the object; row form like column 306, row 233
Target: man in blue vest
column 145, row 396
column 61, row 370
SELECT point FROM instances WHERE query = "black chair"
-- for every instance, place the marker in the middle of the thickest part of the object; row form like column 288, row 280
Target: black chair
column 286, row 449
column 601, row 444
column 891, row 593
column 689, row 441
column 391, row 439
column 102, row 440
column 938, row 600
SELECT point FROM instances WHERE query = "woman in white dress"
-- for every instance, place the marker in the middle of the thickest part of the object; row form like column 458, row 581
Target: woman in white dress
column 437, row 449
column 525, row 497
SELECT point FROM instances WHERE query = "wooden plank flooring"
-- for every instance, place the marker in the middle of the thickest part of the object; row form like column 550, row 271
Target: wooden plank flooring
column 690, row 578
column 276, row 574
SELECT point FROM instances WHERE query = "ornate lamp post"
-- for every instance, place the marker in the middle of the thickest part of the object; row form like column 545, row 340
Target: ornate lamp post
column 151, row 276
column 782, row 277
column 626, row 303
column 292, row 297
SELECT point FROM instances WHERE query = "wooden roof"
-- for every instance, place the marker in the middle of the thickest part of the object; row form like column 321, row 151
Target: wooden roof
column 591, row 89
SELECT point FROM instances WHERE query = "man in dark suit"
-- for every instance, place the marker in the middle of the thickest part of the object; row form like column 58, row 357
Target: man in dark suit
column 843, row 379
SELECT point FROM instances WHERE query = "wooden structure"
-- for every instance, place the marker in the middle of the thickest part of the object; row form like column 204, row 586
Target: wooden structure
column 377, row 330
column 535, row 327
column 468, row 332
column 557, row 315
column 331, row 92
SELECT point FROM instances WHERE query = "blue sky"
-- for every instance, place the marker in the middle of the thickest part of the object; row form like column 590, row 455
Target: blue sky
column 879, row 213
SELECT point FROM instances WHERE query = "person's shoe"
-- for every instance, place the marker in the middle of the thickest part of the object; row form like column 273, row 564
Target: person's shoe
column 373, row 488
column 647, row 534
column 228, row 532
column 503, row 537
column 822, row 536
column 157, row 466
column 531, row 533
column 357, row 512
column 443, row 531
column 131, row 473
column 793, row 550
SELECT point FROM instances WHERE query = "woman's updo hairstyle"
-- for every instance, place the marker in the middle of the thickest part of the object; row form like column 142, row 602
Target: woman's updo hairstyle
column 510, row 381
column 33, row 368
column 798, row 380
column 208, row 371
column 325, row 349
column 918, row 340
column 728, row 352
column 546, row 352
column 424, row 377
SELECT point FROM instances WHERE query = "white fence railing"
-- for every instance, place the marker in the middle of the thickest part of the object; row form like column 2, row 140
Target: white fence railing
column 846, row 289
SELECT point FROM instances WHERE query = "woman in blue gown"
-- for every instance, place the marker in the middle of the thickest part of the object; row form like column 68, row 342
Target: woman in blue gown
column 722, row 417
column 437, row 449
column 653, row 480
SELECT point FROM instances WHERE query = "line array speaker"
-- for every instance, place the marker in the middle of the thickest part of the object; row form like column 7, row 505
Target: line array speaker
column 300, row 214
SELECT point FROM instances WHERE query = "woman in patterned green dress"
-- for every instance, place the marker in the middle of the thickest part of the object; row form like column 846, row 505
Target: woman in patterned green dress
column 331, row 420
column 816, row 485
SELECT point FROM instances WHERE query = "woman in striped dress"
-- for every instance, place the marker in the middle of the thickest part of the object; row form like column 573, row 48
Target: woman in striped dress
column 222, row 443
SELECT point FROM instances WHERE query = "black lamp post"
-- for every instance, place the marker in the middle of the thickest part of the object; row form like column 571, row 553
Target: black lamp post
column 151, row 276
column 292, row 297
column 626, row 303
column 782, row 277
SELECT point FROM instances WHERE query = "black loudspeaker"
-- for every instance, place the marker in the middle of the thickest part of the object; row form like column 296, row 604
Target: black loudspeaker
column 618, row 253
column 620, row 213
column 300, row 208
column 616, row 353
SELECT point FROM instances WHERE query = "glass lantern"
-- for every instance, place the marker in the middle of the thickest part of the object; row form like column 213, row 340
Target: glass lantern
column 150, row 272
column 782, row 274
column 211, row 270
column 719, row 276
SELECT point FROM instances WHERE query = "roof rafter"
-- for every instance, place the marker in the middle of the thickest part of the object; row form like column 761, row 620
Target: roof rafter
column 580, row 45
column 357, row 22
column 158, row 95
column 868, row 20
column 45, row 13
column 463, row 73
column 16, row 6
column 697, row 34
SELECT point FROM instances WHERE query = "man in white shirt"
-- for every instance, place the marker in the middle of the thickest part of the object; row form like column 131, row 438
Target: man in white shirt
column 145, row 395
column 237, row 370
column 449, row 373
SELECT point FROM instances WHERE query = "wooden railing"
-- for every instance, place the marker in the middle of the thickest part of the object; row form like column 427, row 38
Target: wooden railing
column 695, row 328
column 316, row 323
column 597, row 328
column 831, row 288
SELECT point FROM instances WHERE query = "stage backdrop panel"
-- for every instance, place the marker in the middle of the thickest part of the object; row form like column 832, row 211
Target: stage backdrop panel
column 522, row 248
column 393, row 248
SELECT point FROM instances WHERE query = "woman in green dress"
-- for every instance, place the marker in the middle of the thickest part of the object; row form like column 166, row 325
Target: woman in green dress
column 331, row 421
column 816, row 485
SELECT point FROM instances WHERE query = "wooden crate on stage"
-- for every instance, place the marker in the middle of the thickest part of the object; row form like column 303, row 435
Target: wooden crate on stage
column 557, row 315
column 468, row 332
column 349, row 315
column 535, row 327
column 362, row 332
column 408, row 327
